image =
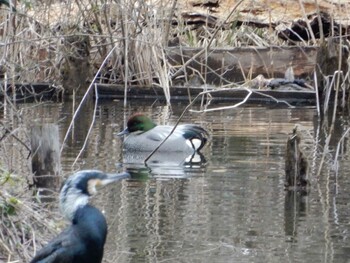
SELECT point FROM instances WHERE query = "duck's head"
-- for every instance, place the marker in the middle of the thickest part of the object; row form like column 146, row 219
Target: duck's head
column 138, row 123
column 79, row 187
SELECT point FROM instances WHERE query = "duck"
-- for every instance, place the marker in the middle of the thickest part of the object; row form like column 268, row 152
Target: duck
column 84, row 239
column 144, row 135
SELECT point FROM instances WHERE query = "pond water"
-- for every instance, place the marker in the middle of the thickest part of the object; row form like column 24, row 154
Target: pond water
column 231, row 206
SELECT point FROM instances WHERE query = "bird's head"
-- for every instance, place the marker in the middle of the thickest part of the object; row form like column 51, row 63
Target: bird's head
column 78, row 188
column 138, row 123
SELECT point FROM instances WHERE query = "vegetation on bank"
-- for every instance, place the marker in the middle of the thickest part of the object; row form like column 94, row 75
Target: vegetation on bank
column 25, row 221
column 72, row 44
column 126, row 42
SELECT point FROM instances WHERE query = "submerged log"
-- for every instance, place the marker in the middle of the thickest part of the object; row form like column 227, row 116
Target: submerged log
column 218, row 95
column 296, row 164
column 46, row 164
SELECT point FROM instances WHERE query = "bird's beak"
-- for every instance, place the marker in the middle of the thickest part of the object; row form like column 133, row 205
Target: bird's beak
column 114, row 178
column 126, row 131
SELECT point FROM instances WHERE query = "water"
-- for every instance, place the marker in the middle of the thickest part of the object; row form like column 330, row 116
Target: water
column 232, row 207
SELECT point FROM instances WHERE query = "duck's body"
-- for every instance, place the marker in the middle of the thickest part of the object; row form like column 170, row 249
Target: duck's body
column 144, row 136
column 84, row 239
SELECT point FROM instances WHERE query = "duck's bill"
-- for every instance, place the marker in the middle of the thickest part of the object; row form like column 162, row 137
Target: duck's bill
column 126, row 131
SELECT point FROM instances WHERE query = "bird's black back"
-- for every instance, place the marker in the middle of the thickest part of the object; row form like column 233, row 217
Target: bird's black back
column 192, row 131
column 82, row 242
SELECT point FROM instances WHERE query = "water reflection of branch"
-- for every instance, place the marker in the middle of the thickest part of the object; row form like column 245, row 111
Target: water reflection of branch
column 334, row 116
column 335, row 163
column 273, row 98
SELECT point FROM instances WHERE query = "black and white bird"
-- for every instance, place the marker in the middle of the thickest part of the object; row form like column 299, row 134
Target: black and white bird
column 83, row 241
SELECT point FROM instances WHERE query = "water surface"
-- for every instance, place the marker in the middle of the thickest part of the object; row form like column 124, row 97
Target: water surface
column 231, row 207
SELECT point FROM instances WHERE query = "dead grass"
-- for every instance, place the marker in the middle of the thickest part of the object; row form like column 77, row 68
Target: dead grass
column 26, row 222
column 35, row 50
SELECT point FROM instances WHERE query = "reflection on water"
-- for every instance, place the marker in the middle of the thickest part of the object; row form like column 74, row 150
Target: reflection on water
column 230, row 205
column 169, row 159
column 294, row 208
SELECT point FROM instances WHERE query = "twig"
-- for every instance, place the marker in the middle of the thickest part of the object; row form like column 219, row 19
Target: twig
column 167, row 27
column 91, row 126
column 317, row 95
column 228, row 107
column 11, row 133
column 328, row 139
column 85, row 96
column 250, row 91
column 307, row 22
column 125, row 30
column 335, row 163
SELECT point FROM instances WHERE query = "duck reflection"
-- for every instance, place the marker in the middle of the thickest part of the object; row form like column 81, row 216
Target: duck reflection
column 165, row 159
column 160, row 164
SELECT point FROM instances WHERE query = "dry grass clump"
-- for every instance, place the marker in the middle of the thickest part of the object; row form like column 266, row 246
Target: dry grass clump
column 36, row 50
column 25, row 221
column 139, row 32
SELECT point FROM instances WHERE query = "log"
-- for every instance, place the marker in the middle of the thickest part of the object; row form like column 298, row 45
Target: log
column 226, row 66
column 46, row 165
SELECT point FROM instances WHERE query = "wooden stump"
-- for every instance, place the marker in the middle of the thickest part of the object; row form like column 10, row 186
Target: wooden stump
column 296, row 164
column 46, row 164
